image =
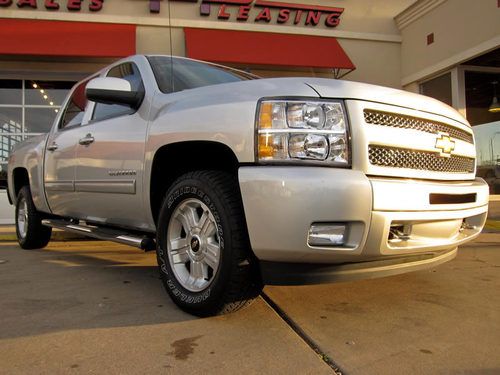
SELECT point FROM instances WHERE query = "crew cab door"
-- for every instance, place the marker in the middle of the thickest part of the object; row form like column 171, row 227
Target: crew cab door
column 60, row 155
column 110, row 159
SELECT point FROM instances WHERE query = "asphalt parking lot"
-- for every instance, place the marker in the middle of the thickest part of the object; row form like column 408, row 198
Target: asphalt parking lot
column 98, row 307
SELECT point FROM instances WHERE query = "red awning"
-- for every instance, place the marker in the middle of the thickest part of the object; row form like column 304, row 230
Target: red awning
column 57, row 38
column 261, row 48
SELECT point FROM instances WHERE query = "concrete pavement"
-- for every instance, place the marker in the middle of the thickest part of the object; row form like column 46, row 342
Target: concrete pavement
column 441, row 321
column 99, row 307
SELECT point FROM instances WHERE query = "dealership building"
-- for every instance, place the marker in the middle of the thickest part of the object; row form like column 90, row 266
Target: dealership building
column 447, row 49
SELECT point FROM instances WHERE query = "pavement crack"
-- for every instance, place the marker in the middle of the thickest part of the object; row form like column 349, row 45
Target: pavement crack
column 300, row 332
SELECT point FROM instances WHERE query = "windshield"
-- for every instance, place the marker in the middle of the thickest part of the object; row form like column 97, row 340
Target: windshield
column 190, row 74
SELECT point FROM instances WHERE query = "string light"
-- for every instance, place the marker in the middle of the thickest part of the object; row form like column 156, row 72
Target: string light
column 45, row 96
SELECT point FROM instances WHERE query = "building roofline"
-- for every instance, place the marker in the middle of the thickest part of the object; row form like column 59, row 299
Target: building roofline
column 416, row 11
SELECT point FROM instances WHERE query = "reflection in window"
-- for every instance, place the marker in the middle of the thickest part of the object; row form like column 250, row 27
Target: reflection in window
column 6, row 144
column 3, row 176
column 75, row 109
column 11, row 91
column 24, row 108
column 11, row 120
column 190, row 74
column 479, row 94
column 130, row 73
column 47, row 93
column 39, row 120
column 487, row 137
column 438, row 88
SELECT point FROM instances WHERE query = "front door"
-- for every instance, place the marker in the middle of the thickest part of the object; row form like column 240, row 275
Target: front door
column 60, row 155
column 109, row 171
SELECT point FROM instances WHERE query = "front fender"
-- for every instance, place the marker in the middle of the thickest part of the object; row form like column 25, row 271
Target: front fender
column 222, row 113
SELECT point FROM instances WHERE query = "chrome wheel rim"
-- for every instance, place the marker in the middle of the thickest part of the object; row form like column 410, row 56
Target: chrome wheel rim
column 22, row 218
column 193, row 245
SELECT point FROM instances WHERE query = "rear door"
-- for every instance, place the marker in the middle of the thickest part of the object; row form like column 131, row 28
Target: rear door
column 110, row 154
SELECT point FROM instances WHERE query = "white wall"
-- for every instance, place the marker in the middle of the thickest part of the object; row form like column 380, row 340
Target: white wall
column 6, row 210
column 462, row 29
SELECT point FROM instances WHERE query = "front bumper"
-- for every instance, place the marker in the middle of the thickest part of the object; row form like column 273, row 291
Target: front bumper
column 281, row 203
column 277, row 273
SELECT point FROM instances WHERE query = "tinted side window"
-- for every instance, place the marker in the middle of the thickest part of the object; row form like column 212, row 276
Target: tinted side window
column 75, row 109
column 129, row 72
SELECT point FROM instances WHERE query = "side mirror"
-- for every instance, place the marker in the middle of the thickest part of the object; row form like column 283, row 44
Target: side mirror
column 110, row 90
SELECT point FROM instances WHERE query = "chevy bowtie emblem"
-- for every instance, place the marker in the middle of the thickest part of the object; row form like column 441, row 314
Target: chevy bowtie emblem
column 445, row 145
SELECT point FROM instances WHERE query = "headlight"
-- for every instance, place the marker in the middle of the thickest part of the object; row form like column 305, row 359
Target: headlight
column 302, row 130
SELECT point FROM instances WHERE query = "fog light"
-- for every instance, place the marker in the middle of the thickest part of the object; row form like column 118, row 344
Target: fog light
column 326, row 235
column 400, row 232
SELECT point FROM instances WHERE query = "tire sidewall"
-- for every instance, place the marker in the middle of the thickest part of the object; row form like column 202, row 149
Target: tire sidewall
column 37, row 235
column 25, row 194
column 209, row 298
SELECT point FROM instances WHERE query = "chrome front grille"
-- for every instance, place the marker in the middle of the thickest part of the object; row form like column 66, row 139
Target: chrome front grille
column 409, row 122
column 419, row 160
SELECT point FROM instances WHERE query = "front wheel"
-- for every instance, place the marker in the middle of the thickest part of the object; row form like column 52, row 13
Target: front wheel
column 31, row 234
column 203, row 250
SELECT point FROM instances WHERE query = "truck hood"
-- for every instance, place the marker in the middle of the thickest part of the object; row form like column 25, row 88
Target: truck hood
column 329, row 88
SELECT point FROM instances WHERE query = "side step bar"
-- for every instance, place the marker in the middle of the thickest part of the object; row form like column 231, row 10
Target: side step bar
column 107, row 234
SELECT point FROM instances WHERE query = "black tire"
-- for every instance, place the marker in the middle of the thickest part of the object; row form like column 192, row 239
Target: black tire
column 33, row 235
column 235, row 282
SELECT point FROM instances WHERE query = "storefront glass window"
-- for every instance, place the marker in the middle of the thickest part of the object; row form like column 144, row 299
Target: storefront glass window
column 11, row 120
column 488, row 154
column 6, row 144
column 39, row 120
column 438, row 88
column 480, row 89
column 3, row 176
column 27, row 108
column 10, row 91
column 46, row 93
column 479, row 95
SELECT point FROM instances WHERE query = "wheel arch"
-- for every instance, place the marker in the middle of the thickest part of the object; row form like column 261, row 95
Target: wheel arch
column 173, row 160
column 20, row 178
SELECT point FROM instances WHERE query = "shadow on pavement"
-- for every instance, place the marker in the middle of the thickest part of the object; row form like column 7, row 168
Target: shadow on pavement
column 444, row 320
column 80, row 285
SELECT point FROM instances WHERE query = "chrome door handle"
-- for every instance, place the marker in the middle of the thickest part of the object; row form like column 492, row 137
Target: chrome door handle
column 88, row 139
column 52, row 146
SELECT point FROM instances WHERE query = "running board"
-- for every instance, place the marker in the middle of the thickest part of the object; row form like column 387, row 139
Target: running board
column 107, row 234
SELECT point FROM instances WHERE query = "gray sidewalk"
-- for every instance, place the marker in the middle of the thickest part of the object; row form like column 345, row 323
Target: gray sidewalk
column 99, row 307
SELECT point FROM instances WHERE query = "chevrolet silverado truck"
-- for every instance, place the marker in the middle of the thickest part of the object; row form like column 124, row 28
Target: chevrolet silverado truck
column 238, row 182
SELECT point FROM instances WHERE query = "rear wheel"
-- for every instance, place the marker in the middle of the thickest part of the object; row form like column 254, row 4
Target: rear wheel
column 203, row 249
column 31, row 234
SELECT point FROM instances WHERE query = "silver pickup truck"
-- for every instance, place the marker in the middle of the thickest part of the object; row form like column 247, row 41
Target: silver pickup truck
column 238, row 182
